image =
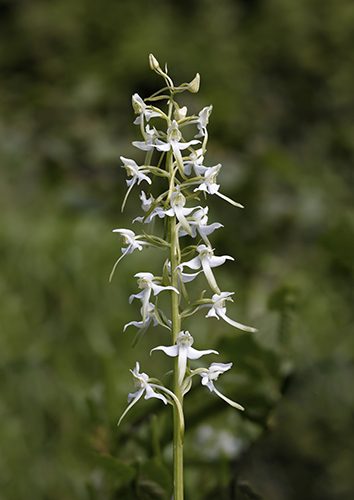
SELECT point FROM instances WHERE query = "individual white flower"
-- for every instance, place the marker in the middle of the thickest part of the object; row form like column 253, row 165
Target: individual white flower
column 198, row 222
column 208, row 183
column 177, row 209
column 195, row 160
column 141, row 109
column 184, row 350
column 211, row 374
column 146, row 283
column 133, row 242
column 150, row 317
column 203, row 120
column 218, row 310
column 206, row 259
column 141, row 381
column 150, row 138
column 137, row 173
column 146, row 205
column 174, row 137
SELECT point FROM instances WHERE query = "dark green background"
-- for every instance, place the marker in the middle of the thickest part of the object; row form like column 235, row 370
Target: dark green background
column 280, row 77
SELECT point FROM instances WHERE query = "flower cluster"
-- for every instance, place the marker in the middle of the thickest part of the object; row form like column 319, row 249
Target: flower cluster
column 180, row 164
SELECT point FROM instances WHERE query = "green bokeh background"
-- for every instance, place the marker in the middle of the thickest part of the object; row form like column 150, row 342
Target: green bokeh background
column 280, row 77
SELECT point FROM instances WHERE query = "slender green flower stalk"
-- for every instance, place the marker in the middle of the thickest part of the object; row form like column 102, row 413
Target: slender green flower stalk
column 185, row 235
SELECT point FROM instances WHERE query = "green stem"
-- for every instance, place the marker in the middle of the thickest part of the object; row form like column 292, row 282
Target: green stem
column 176, row 328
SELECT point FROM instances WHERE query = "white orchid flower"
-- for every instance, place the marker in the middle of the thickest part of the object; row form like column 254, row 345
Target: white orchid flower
column 131, row 240
column 177, row 202
column 195, row 160
column 203, row 120
column 133, row 243
column 150, row 138
column 184, row 350
column 206, row 259
column 208, row 183
column 137, row 173
column 173, row 142
column 211, row 374
column 146, row 205
column 146, row 283
column 198, row 222
column 150, row 317
column 141, row 381
column 141, row 109
column 218, row 310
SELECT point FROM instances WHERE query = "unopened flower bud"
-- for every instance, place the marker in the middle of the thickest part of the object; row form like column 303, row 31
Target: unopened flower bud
column 154, row 63
column 181, row 113
column 194, row 84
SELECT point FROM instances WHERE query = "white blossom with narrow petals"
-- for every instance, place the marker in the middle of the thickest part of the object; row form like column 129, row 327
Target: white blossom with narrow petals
column 141, row 109
column 218, row 310
column 146, row 283
column 203, row 120
column 173, row 138
column 133, row 170
column 199, row 223
column 211, row 374
column 150, row 317
column 206, row 259
column 208, row 182
column 150, row 137
column 184, row 350
column 141, row 381
column 177, row 209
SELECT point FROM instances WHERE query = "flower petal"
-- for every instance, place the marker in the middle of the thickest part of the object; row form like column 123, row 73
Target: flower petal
column 169, row 350
column 195, row 354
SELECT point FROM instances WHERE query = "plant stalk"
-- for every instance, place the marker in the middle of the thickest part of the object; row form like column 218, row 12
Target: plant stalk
column 176, row 328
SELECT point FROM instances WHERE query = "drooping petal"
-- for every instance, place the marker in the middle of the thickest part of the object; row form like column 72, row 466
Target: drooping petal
column 229, row 401
column 136, row 397
column 222, row 314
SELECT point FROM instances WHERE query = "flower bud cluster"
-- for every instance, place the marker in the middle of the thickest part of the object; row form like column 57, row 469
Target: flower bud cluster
column 180, row 164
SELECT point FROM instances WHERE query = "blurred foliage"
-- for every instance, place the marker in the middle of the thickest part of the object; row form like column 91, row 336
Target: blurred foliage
column 279, row 75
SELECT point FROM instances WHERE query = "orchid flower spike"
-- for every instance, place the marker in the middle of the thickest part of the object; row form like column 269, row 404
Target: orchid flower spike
column 183, row 349
column 141, row 381
column 206, row 259
column 146, row 283
column 218, row 310
column 211, row 374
